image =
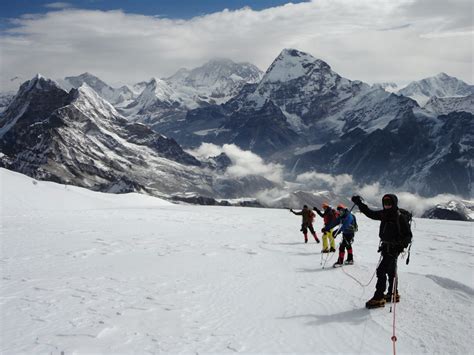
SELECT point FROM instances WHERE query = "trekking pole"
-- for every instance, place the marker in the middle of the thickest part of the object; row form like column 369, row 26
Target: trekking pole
column 395, row 286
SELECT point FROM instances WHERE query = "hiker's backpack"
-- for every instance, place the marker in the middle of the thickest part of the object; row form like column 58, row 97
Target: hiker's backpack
column 405, row 233
column 354, row 226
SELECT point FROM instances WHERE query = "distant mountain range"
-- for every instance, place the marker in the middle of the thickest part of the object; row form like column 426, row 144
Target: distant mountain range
column 299, row 113
column 308, row 117
column 79, row 138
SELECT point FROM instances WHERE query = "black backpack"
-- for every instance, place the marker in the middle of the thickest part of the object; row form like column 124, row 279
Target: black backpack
column 404, row 227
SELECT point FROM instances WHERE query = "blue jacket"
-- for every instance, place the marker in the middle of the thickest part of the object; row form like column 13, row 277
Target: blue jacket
column 347, row 220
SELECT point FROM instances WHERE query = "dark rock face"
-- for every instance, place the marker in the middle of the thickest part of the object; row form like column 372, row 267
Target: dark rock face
column 440, row 213
column 5, row 99
column 453, row 210
column 220, row 162
column 78, row 138
column 446, row 105
column 263, row 132
column 201, row 200
column 407, row 153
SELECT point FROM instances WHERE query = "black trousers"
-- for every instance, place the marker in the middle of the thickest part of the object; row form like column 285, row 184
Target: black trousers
column 306, row 226
column 347, row 239
column 387, row 269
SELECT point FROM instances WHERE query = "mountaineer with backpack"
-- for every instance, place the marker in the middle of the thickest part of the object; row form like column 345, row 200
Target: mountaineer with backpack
column 348, row 228
column 329, row 215
column 308, row 218
column 395, row 235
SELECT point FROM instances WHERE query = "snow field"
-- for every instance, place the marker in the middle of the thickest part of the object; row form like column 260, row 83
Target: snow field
column 85, row 272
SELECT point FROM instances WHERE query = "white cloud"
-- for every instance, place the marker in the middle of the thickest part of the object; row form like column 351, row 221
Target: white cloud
column 415, row 203
column 206, row 150
column 344, row 186
column 372, row 41
column 320, row 181
column 340, row 186
column 244, row 162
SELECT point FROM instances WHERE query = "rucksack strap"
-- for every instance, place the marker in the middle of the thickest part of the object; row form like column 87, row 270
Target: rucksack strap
column 408, row 257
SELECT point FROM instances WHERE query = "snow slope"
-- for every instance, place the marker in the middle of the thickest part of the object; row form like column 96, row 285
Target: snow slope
column 85, row 272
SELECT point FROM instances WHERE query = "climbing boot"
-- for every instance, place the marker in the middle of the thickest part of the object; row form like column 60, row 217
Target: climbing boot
column 388, row 297
column 375, row 303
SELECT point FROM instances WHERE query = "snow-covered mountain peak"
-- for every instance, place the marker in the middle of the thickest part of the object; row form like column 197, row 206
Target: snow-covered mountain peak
column 38, row 82
column 157, row 97
column 112, row 95
column 88, row 100
column 158, row 88
column 88, row 78
column 216, row 74
column 34, row 101
column 440, row 85
column 442, row 75
column 292, row 64
column 387, row 86
column 38, row 76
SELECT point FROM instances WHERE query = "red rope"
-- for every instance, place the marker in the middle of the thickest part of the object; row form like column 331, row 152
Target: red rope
column 394, row 337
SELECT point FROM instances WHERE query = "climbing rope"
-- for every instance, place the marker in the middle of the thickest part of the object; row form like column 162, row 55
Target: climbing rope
column 356, row 280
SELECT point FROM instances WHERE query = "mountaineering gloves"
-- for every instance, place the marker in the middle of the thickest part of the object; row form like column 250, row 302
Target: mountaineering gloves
column 357, row 200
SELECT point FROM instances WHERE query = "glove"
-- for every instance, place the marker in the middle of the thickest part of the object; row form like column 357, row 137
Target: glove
column 316, row 209
column 323, row 230
column 356, row 199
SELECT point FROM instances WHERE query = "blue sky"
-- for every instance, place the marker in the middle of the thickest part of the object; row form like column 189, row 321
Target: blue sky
column 183, row 9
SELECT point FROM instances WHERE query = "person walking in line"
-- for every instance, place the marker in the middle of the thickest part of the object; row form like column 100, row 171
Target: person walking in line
column 308, row 218
column 348, row 228
column 395, row 234
column 329, row 215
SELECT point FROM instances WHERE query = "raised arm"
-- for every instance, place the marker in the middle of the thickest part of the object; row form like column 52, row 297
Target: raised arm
column 377, row 215
column 318, row 211
column 297, row 213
